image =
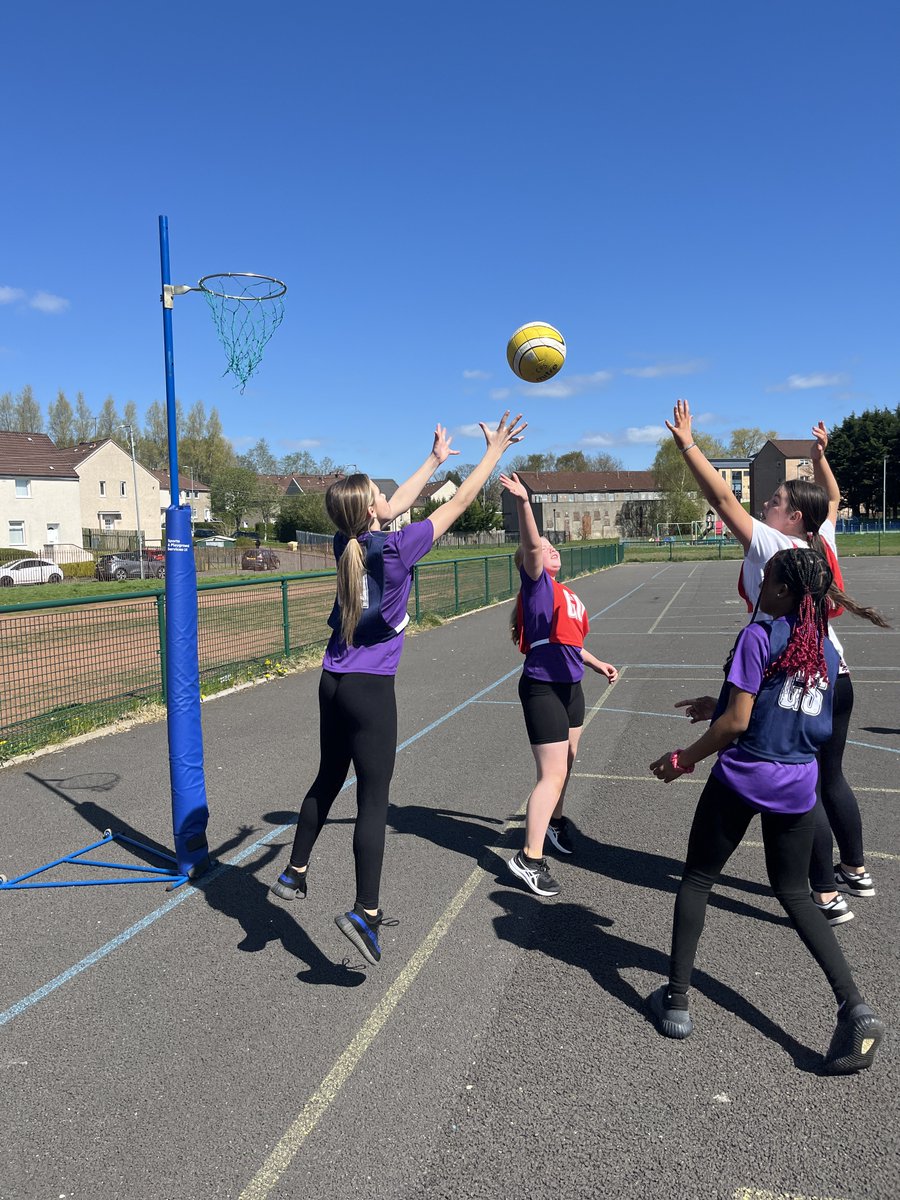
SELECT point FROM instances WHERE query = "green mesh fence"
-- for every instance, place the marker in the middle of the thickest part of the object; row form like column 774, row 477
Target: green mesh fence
column 73, row 665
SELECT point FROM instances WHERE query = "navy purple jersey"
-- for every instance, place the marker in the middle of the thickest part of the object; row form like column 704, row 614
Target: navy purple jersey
column 400, row 552
column 772, row 765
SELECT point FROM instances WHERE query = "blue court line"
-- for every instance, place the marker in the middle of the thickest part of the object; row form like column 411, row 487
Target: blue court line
column 89, row 960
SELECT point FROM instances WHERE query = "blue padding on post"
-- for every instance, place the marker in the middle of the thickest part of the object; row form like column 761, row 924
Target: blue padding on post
column 190, row 812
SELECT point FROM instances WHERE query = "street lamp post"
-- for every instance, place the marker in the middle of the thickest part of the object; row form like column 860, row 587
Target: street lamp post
column 137, row 506
column 884, row 494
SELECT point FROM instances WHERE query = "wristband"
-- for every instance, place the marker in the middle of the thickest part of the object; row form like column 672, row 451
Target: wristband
column 690, row 447
column 673, row 759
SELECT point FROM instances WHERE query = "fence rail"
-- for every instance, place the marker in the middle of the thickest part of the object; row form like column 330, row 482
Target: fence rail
column 69, row 666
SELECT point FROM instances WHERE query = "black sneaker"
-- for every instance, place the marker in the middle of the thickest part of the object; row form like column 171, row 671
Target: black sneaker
column 362, row 930
column 290, row 884
column 560, row 835
column 671, row 1022
column 535, row 875
column 835, row 911
column 856, row 885
column 856, row 1038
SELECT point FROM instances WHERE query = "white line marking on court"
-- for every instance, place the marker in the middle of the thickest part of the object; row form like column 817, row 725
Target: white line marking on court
column 666, row 609
column 757, row 1194
column 292, row 1140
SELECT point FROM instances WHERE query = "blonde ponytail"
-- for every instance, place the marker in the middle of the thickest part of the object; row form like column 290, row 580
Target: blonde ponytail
column 348, row 502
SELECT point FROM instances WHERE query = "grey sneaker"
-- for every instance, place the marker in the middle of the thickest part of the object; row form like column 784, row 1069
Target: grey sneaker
column 535, row 875
column 671, row 1022
column 854, row 1041
column 835, row 911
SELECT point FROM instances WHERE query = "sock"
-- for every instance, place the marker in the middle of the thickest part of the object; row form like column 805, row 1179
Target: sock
column 531, row 861
column 372, row 922
column 677, row 1000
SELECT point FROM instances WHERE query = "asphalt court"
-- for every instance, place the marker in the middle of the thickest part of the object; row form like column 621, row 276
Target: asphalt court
column 213, row 1043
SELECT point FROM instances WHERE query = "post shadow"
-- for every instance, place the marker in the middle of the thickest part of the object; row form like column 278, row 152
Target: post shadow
column 582, row 939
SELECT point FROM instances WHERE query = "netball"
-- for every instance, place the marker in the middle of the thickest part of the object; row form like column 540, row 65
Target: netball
column 536, row 351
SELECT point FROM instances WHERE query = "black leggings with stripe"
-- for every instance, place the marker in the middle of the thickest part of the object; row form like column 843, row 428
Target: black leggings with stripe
column 720, row 822
column 358, row 725
column 837, row 808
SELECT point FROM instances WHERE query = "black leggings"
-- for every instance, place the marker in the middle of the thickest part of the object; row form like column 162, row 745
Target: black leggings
column 837, row 808
column 358, row 724
column 720, row 822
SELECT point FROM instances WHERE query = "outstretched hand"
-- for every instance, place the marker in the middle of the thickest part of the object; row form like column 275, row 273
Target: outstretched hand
column 701, row 708
column 514, row 486
column 441, row 448
column 506, row 433
column 680, row 425
column 820, row 445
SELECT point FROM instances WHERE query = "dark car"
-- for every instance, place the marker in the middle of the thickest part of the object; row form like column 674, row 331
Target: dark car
column 260, row 560
column 127, row 565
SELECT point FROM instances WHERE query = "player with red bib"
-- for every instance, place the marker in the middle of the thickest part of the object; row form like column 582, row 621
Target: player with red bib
column 549, row 626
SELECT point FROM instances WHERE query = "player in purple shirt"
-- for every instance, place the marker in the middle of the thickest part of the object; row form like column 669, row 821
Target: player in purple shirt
column 357, row 705
column 774, row 713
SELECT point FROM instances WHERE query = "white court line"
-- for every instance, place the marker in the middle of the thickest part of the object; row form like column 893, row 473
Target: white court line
column 697, row 782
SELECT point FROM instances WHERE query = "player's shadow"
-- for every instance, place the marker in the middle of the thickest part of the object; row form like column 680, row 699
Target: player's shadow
column 575, row 935
column 472, row 834
column 644, row 869
column 239, row 894
column 887, row 729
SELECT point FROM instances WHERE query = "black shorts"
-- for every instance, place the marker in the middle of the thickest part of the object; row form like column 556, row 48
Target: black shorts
column 551, row 709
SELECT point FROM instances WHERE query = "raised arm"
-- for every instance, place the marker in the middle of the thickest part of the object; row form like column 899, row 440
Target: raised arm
column 822, row 472
column 406, row 493
column 711, row 484
column 530, row 539
column 498, row 440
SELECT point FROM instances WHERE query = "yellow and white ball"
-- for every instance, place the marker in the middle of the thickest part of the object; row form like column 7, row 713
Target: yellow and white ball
column 536, row 351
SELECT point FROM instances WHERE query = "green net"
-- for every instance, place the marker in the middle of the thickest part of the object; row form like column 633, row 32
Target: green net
column 246, row 309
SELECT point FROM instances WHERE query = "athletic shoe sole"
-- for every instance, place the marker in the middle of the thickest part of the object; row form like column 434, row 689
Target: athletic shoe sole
column 286, row 893
column 859, row 1043
column 841, row 919
column 528, row 879
column 678, row 1027
column 350, row 930
column 557, row 844
column 844, row 885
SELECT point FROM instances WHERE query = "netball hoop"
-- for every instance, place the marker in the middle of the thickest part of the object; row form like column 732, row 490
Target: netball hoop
column 246, row 309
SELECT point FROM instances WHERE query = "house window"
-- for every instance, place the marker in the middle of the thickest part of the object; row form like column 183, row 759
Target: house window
column 23, row 488
column 102, row 487
column 123, row 490
column 17, row 533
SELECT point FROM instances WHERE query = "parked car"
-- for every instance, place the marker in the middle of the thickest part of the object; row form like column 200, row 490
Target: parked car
column 260, row 560
column 30, row 570
column 128, row 566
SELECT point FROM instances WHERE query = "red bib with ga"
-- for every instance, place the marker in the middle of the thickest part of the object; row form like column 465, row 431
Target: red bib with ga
column 834, row 610
column 569, row 624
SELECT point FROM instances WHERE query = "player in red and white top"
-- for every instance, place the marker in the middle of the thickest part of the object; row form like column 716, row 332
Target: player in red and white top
column 549, row 626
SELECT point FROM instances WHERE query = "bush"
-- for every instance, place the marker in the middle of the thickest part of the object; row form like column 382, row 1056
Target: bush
column 78, row 570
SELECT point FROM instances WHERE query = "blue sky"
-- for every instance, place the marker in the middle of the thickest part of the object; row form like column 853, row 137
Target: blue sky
column 701, row 196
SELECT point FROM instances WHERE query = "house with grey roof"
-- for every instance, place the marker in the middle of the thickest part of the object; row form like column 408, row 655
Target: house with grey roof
column 39, row 495
column 574, row 505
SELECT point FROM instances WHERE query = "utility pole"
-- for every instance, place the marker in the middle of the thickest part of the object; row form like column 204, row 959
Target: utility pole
column 137, row 506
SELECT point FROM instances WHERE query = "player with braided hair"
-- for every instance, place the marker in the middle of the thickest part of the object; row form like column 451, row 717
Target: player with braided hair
column 773, row 713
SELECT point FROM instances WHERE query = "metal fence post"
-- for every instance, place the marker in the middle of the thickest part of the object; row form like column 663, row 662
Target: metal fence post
column 285, row 617
column 416, row 581
column 456, row 585
column 487, row 582
column 161, row 627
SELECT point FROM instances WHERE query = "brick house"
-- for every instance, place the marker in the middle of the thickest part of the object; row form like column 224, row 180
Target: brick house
column 571, row 505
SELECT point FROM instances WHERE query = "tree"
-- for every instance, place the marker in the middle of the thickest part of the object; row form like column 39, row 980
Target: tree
column 745, row 443
column 109, row 420
column 857, row 449
column 532, row 462
column 267, row 498
column 85, row 422
column 305, row 512
column 259, row 458
column 231, row 494
column 572, row 460
column 61, row 420
column 152, row 446
column 298, row 462
column 7, row 412
column 29, row 418
column 601, row 461
column 682, row 501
